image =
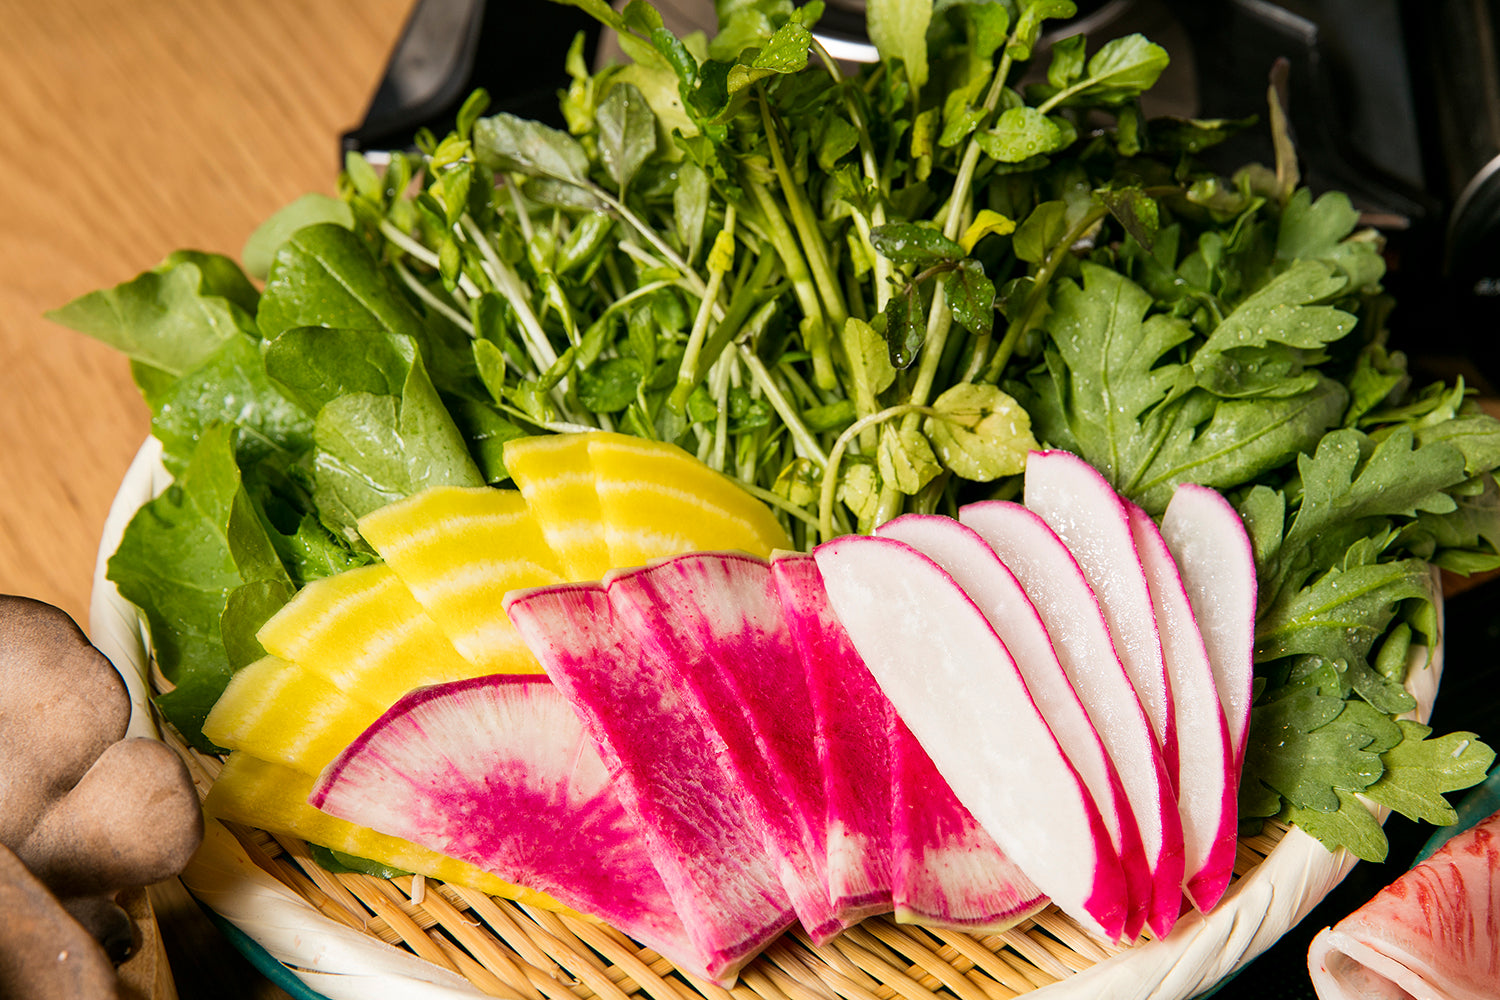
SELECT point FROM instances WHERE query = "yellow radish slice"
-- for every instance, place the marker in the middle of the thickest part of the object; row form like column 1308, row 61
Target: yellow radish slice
column 458, row 550
column 281, row 712
column 273, row 798
column 363, row 630
column 555, row 474
column 657, row 501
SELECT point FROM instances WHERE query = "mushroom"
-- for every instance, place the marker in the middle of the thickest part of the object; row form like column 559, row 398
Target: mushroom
column 84, row 812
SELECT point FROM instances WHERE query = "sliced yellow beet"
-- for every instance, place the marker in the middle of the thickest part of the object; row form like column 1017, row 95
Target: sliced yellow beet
column 363, row 630
column 458, row 550
column 656, row 500
column 279, row 711
column 273, row 798
column 555, row 475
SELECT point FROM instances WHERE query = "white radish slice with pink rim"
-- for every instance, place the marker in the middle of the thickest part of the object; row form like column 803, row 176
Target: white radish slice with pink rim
column 1061, row 595
column 975, row 567
column 1214, row 556
column 956, row 687
column 947, row 871
column 716, row 620
column 1089, row 516
column 1206, row 783
column 498, row 772
column 852, row 734
column 702, row 839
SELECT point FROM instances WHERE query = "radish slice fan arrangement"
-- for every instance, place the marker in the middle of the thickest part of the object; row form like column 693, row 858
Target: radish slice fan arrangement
column 955, row 720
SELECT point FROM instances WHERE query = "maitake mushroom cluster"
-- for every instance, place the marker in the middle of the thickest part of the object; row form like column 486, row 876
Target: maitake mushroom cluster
column 84, row 812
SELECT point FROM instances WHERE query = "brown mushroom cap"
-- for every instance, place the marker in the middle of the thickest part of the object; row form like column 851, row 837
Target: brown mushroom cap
column 44, row 953
column 132, row 820
column 61, row 705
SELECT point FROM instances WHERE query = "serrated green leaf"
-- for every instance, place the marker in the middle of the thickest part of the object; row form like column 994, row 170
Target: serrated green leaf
column 1420, row 769
column 1351, row 826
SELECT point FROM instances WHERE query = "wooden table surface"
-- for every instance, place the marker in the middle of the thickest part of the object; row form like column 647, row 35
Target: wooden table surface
column 128, row 130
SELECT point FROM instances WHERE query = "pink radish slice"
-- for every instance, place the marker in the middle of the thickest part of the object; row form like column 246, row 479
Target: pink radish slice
column 938, row 660
column 852, row 733
column 976, row 568
column 1089, row 516
column 1058, row 590
column 1206, row 775
column 497, row 771
column 715, row 619
column 948, row 872
column 701, row 838
column 1214, row 556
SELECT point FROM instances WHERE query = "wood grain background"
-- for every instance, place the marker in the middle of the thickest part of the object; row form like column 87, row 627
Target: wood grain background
column 128, row 130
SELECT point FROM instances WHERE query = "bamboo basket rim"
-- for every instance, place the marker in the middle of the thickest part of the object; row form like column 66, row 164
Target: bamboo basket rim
column 356, row 936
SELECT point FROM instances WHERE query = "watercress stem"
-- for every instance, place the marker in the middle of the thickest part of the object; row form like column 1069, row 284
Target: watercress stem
column 841, row 445
column 780, row 236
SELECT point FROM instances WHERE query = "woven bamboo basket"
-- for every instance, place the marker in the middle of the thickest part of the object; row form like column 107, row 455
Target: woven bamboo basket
column 364, row 938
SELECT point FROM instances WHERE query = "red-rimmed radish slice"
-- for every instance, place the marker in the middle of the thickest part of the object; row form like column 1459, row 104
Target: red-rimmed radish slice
column 1090, row 517
column 1208, row 539
column 667, row 769
column 975, row 567
column 947, row 871
column 498, row 772
column 1206, row 784
column 715, row 619
column 853, row 721
column 458, row 550
column 954, row 684
column 1061, row 595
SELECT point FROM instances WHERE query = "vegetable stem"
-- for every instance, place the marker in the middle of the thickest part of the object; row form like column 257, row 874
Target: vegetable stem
column 841, row 445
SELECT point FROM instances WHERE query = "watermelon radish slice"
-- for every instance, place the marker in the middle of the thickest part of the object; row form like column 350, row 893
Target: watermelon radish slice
column 976, row 568
column 458, row 550
column 702, row 839
column 853, row 723
column 1207, row 538
column 954, row 684
column 1206, row 785
column 947, row 871
column 498, row 772
column 1090, row 517
column 1068, row 607
column 656, row 500
column 556, row 477
column 715, row 619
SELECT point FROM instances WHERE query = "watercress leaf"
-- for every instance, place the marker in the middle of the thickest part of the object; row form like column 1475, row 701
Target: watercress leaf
column 1135, row 211
column 899, row 30
column 971, row 297
column 609, row 386
column 1031, row 14
column 868, row 352
column 1040, row 231
column 1171, row 134
column 505, row 142
column 908, row 243
column 627, row 132
column 1066, row 66
column 745, row 24
column 905, row 459
column 981, row 433
column 1122, row 69
column 905, row 327
column 987, row 223
column 1420, row 769
column 1019, row 134
column 641, row 16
